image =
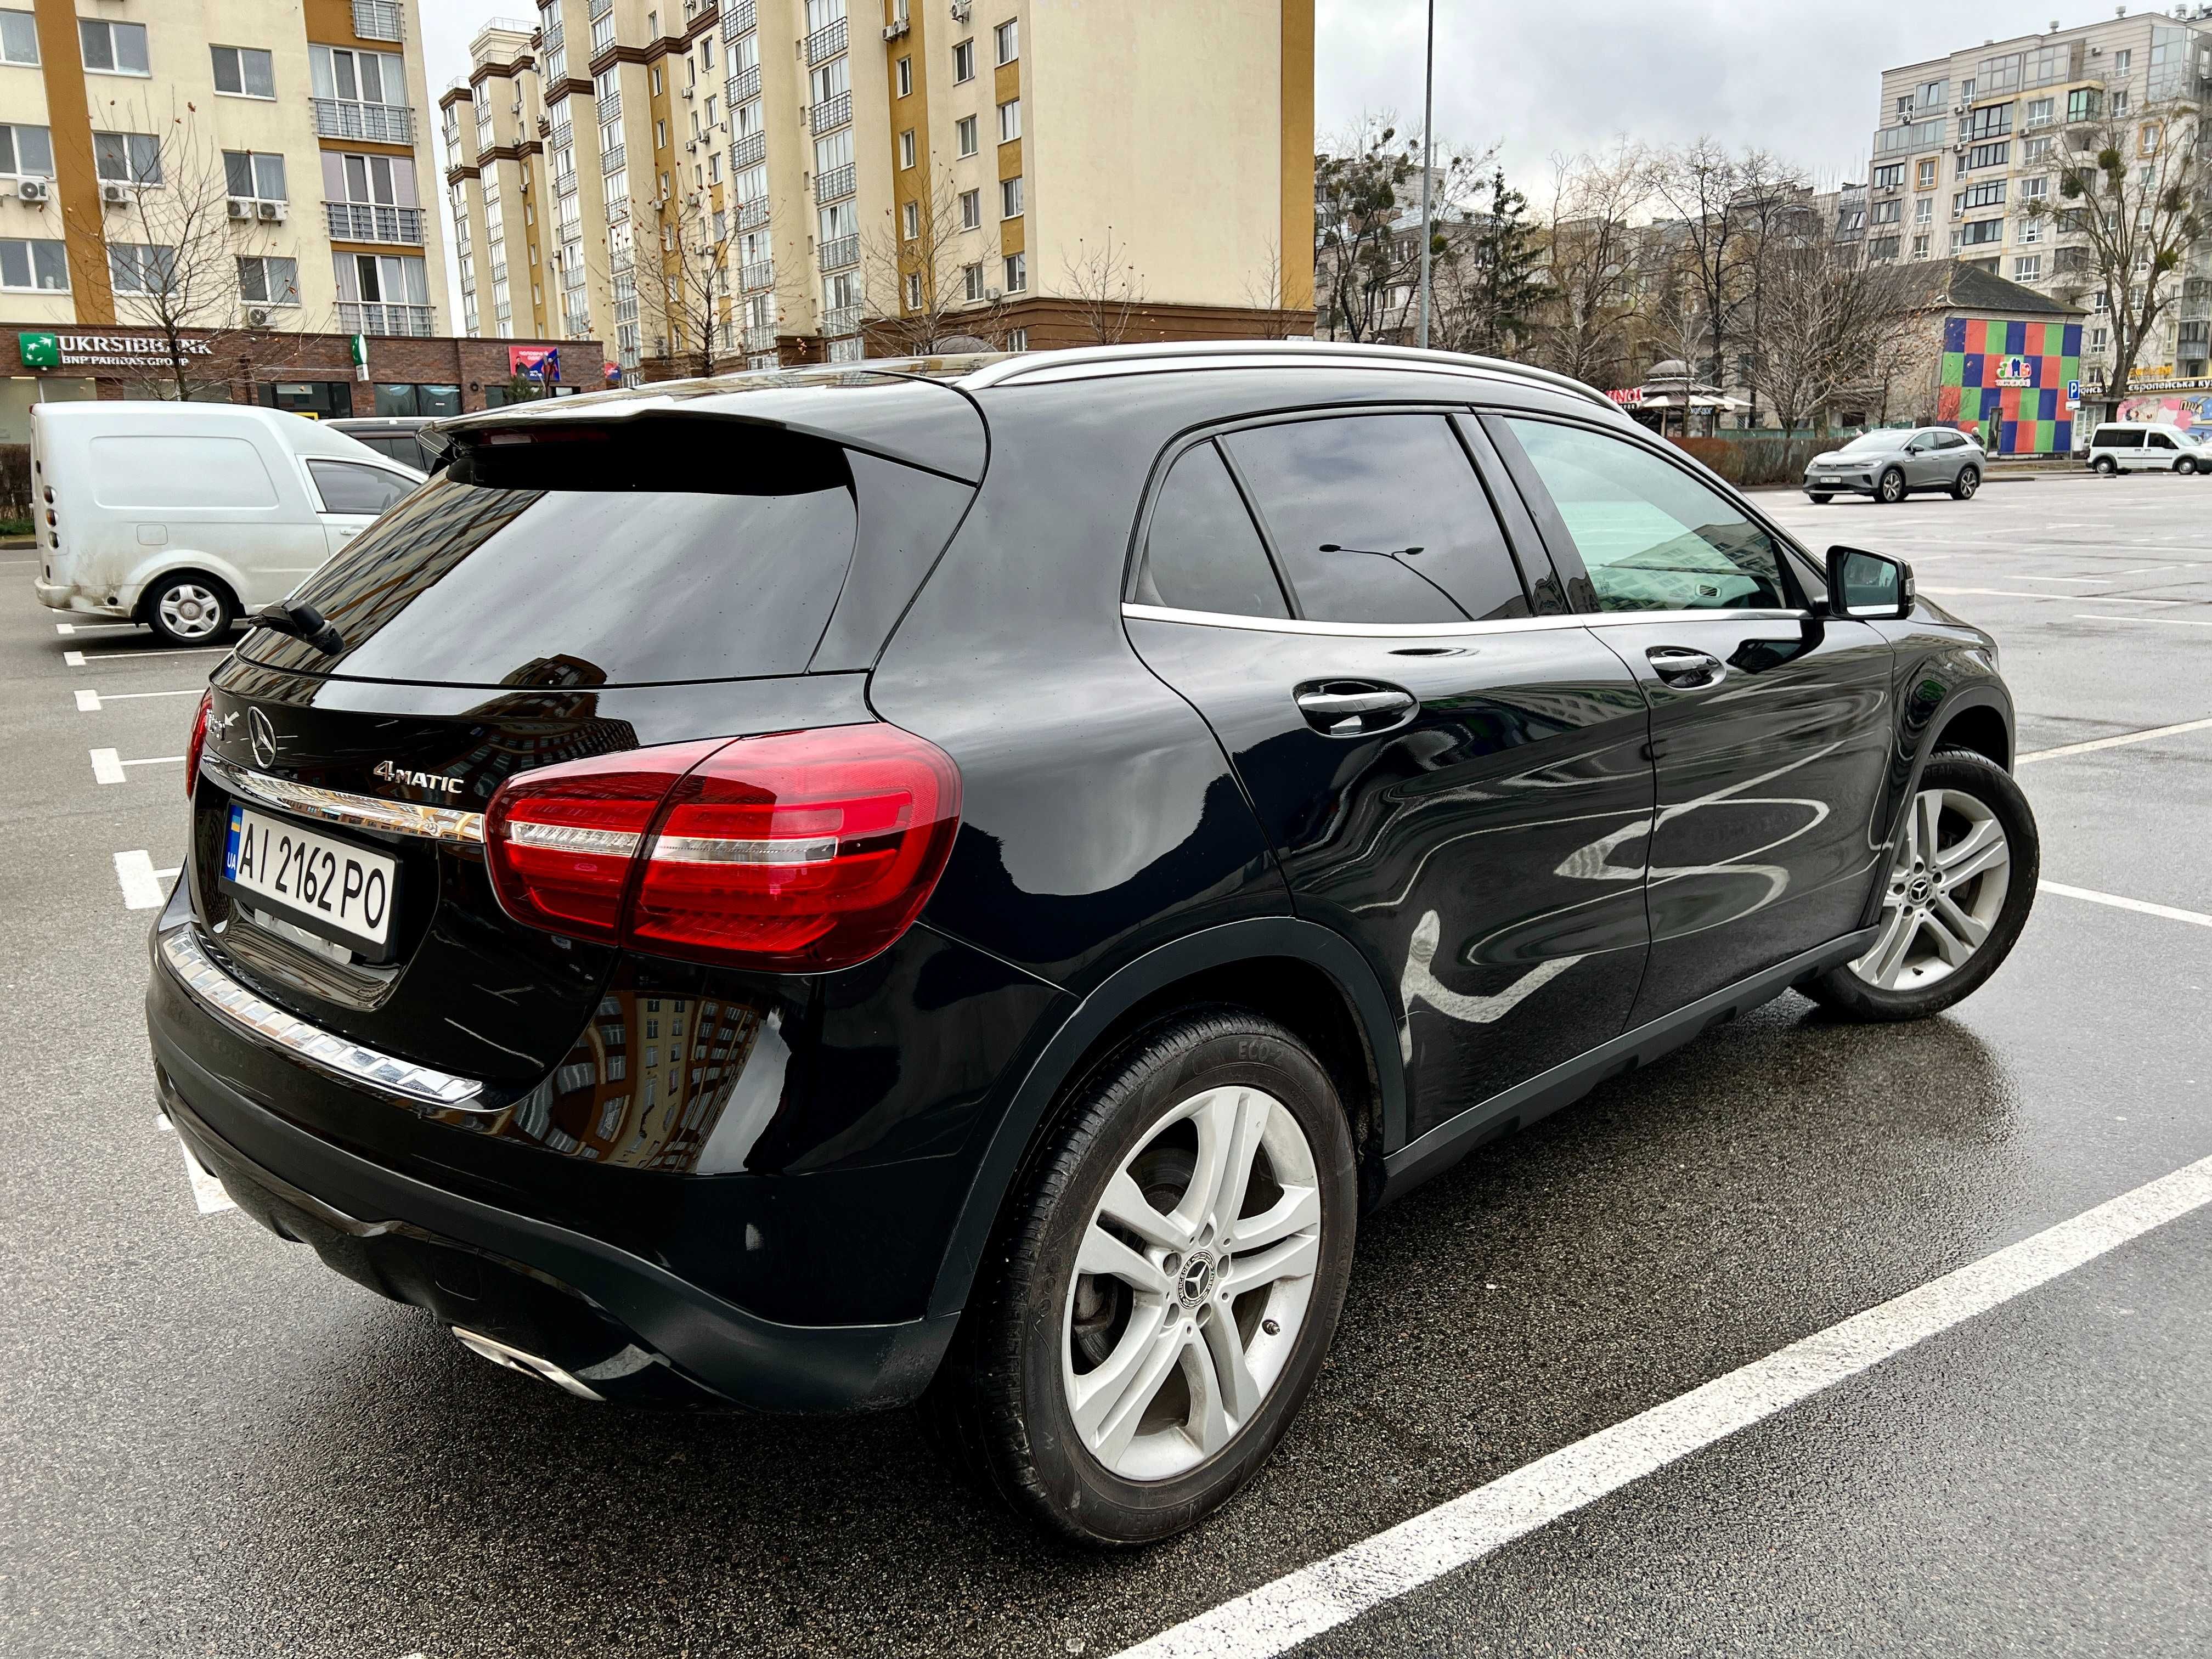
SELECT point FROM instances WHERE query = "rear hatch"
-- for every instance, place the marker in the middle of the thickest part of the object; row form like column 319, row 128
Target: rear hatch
column 567, row 588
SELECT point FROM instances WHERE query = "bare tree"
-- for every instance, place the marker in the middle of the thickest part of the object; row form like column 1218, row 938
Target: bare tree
column 1820, row 328
column 928, row 275
column 1367, row 195
column 1585, row 329
column 2134, row 202
column 1725, row 209
column 1267, row 289
column 1105, row 288
column 684, row 285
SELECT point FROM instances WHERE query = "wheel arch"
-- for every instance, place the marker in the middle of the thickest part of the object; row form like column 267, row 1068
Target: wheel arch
column 1306, row 976
column 183, row 563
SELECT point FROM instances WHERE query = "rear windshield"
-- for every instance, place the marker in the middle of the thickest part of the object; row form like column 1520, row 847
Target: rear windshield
column 574, row 563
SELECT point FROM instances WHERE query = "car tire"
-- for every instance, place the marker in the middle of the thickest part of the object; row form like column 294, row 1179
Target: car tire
column 2104, row 465
column 1931, row 914
column 1889, row 489
column 2185, row 466
column 1106, row 1462
column 1963, row 486
column 187, row 609
column 1820, row 498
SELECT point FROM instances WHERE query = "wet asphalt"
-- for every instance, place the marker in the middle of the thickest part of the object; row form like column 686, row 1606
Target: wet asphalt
column 210, row 1445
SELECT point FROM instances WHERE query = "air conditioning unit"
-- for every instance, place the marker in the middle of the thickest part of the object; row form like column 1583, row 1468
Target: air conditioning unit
column 689, row 93
column 961, row 8
column 257, row 317
column 114, row 195
column 270, row 212
column 692, row 199
column 895, row 29
column 241, row 207
column 34, row 190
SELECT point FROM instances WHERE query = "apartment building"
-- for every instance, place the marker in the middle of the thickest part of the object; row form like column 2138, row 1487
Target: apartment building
column 1969, row 143
column 755, row 182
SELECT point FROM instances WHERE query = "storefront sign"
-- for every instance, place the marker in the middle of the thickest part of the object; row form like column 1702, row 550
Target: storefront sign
column 2015, row 371
column 44, row 348
column 1628, row 397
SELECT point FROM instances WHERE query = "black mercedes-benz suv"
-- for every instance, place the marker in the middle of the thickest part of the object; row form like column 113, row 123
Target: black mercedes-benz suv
column 958, row 882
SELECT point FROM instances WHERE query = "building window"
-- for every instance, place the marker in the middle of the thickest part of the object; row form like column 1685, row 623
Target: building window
column 963, row 133
column 660, row 134
column 2122, row 61
column 2084, row 104
column 269, row 281
column 1991, row 194
column 1010, row 197
column 2120, row 101
column 26, row 152
column 2147, row 140
column 245, row 72
column 2100, row 339
column 972, row 209
column 1007, row 39
column 2031, row 230
column 910, row 220
column 2040, row 112
column 914, row 291
column 40, row 266
column 906, row 77
column 1886, row 213
column 1920, row 247
column 1017, row 273
column 1924, row 174
column 2028, row 268
column 1010, row 120
column 1891, row 177
column 112, row 48
column 134, row 268
column 2033, row 150
column 971, row 281
column 1924, row 211
column 656, row 80
column 1981, row 231
column 18, row 38
column 1986, row 155
column 257, row 173
column 906, row 148
column 127, row 158
column 1994, row 121
column 963, row 61
column 1882, row 247
column 1017, row 339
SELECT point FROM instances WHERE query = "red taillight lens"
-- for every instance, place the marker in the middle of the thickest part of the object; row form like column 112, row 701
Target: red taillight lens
column 802, row 851
column 197, row 742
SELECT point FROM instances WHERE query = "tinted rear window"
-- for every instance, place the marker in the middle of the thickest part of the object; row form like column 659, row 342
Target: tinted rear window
column 2113, row 437
column 566, row 564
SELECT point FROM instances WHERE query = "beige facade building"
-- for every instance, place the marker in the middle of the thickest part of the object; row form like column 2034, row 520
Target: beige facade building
column 1967, row 142
column 763, row 181
column 255, row 168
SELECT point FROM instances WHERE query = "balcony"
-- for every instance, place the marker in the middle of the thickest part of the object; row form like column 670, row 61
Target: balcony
column 840, row 255
column 825, row 43
column 613, row 161
column 758, row 274
column 419, row 322
column 368, row 222
column 835, row 184
column 760, row 336
column 831, row 115
column 753, row 214
column 850, row 350
column 749, row 149
column 845, row 320
column 610, row 107
column 617, row 209
column 383, row 124
column 739, row 20
column 380, row 19
column 743, row 86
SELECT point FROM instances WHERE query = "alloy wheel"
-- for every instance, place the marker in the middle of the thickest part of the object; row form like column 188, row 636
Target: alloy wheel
column 1192, row 1283
column 1892, row 487
column 190, row 611
column 1969, row 482
column 1947, row 889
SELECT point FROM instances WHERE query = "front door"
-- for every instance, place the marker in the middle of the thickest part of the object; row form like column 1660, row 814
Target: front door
column 1454, row 784
column 1770, row 725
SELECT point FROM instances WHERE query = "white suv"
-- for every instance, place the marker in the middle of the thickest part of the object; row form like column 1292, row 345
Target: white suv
column 2141, row 447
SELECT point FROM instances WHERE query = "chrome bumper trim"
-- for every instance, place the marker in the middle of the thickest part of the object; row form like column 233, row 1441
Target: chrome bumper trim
column 447, row 825
column 226, row 997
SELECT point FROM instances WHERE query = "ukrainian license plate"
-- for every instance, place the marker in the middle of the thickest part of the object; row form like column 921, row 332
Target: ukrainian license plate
column 336, row 888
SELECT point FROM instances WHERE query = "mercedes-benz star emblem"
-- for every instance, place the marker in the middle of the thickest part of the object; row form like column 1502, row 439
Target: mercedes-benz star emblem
column 263, row 736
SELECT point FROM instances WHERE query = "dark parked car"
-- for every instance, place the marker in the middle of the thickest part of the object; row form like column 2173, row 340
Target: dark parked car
column 399, row 436
column 960, row 882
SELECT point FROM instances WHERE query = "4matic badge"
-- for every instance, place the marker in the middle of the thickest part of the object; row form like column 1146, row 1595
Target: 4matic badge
column 436, row 781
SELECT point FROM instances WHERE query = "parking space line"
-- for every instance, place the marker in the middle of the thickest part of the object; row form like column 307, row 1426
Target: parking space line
column 89, row 627
column 78, row 659
column 107, row 765
column 2015, row 593
column 208, row 1193
column 1318, row 1598
column 72, row 658
column 90, row 701
column 2120, row 741
column 2140, row 906
column 143, row 886
column 2170, row 621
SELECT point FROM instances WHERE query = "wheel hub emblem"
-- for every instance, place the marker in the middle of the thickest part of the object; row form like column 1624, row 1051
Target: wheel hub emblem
column 1918, row 889
column 263, row 737
column 1197, row 1281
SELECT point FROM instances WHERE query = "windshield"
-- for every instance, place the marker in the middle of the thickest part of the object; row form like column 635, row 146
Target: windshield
column 1868, row 443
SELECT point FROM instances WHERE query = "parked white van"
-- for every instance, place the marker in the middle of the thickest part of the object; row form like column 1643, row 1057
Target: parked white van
column 2145, row 446
column 186, row 516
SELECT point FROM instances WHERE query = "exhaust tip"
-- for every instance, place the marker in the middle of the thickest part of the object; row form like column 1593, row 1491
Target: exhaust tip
column 530, row 1364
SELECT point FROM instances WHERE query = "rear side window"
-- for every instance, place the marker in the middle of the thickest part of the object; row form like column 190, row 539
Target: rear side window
column 1950, row 441
column 598, row 559
column 1379, row 519
column 1653, row 536
column 180, row 474
column 2117, row 437
column 347, row 487
column 1202, row 551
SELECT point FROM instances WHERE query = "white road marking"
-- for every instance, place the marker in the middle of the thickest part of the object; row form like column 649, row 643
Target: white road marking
column 2091, row 580
column 73, row 658
column 2140, row 906
column 88, row 628
column 88, row 702
column 2015, row 593
column 144, row 888
column 2153, row 569
column 64, row 627
column 2170, row 621
column 108, row 766
column 2124, row 738
column 207, row 1191
column 76, row 659
column 1332, row 1592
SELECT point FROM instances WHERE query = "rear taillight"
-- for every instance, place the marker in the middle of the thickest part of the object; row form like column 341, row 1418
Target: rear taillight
column 197, row 742
column 801, row 851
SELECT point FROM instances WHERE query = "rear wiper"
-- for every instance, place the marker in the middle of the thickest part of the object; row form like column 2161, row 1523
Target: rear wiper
column 302, row 622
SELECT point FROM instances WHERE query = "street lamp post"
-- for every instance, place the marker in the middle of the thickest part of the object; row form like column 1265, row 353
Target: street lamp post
column 1428, row 160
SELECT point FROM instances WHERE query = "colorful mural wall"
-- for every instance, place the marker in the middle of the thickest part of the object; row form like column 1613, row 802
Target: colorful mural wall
column 2006, row 383
column 2186, row 409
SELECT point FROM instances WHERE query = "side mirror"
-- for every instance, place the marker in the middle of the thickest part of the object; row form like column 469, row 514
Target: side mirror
column 1871, row 584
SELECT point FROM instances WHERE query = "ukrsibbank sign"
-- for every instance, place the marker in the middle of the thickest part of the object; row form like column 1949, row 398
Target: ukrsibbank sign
column 43, row 348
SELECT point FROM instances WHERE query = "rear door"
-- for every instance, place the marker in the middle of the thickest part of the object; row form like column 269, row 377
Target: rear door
column 350, row 496
column 1451, row 779
column 1770, row 728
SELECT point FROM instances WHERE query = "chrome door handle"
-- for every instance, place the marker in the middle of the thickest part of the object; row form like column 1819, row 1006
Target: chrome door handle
column 1678, row 665
column 1351, row 709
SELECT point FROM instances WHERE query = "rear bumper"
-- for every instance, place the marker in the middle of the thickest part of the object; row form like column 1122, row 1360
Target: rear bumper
column 63, row 596
column 627, row 1325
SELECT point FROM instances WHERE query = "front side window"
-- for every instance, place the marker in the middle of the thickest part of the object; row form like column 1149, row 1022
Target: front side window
column 127, row 158
column 19, row 37
column 1201, row 550
column 348, row 487
column 26, row 152
column 1652, row 537
column 112, row 48
column 1378, row 518
column 245, row 72
column 40, row 266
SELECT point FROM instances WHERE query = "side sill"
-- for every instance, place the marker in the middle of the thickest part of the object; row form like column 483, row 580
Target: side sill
column 1544, row 1094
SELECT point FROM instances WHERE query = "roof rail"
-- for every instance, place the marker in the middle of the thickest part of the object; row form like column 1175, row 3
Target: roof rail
column 1030, row 364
